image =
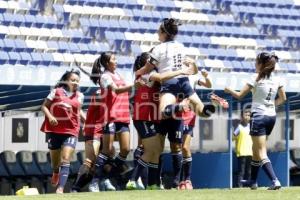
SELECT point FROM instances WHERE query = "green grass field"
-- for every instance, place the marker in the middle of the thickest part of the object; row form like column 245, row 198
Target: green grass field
column 292, row 193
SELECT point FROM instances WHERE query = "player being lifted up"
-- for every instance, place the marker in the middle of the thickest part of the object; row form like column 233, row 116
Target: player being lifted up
column 170, row 56
column 146, row 121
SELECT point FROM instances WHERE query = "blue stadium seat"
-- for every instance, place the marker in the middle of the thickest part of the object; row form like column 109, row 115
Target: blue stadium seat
column 9, row 44
column 63, row 46
column 29, row 20
column 14, row 57
column 47, row 58
column 25, row 58
column 8, row 19
column 18, row 19
column 36, row 58
column 3, row 57
column 83, row 47
column 40, row 21
column 73, row 47
column 52, row 45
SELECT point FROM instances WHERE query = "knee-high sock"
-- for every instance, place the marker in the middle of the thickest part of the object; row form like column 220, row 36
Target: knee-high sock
column 138, row 152
column 153, row 172
column 255, row 165
column 268, row 168
column 186, row 170
column 139, row 170
column 160, row 166
column 99, row 165
column 176, row 161
column 63, row 174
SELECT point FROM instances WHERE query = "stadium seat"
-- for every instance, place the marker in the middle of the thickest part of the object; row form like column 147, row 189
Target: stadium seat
column 31, row 170
column 6, row 185
column 14, row 169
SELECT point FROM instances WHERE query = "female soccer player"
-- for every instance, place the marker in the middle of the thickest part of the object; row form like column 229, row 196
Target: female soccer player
column 189, row 119
column 62, row 109
column 170, row 56
column 263, row 115
column 93, row 131
column 146, row 121
column 115, row 102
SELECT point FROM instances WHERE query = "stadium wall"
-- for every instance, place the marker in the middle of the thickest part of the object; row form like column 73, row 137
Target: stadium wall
column 32, row 139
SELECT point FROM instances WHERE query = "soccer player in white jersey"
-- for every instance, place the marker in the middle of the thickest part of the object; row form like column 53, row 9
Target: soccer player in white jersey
column 263, row 115
column 170, row 56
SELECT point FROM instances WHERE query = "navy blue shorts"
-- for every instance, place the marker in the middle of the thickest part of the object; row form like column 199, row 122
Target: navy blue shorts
column 188, row 130
column 115, row 128
column 57, row 141
column 261, row 124
column 146, row 129
column 179, row 87
column 173, row 128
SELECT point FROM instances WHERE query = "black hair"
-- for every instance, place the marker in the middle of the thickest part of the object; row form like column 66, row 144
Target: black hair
column 140, row 61
column 268, row 62
column 245, row 110
column 170, row 27
column 100, row 64
column 65, row 77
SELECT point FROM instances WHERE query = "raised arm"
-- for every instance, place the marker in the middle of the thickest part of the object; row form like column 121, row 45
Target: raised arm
column 241, row 94
column 207, row 81
column 281, row 97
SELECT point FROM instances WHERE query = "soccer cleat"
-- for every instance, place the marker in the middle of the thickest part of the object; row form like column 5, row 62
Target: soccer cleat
column 275, row 185
column 181, row 185
column 249, row 183
column 215, row 99
column 153, row 187
column 108, row 186
column 139, row 184
column 94, row 186
column 60, row 190
column 55, row 179
column 188, row 185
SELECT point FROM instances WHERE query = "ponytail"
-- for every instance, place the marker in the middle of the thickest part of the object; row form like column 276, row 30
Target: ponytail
column 268, row 62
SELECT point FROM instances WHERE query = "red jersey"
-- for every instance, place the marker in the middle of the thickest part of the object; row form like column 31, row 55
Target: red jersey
column 146, row 104
column 116, row 105
column 189, row 118
column 93, row 126
column 66, row 110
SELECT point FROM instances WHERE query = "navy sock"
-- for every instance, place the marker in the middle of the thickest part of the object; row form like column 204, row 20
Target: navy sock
column 153, row 172
column 176, row 161
column 255, row 165
column 170, row 110
column 138, row 152
column 138, row 170
column 186, row 170
column 268, row 168
column 99, row 165
column 63, row 174
column 120, row 160
column 160, row 166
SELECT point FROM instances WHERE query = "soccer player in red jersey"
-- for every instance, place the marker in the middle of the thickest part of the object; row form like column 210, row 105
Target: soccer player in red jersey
column 116, row 115
column 93, row 131
column 62, row 109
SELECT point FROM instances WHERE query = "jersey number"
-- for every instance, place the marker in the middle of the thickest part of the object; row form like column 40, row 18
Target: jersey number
column 269, row 95
column 177, row 62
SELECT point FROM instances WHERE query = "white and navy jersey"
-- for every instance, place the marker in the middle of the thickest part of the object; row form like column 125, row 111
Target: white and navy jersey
column 263, row 95
column 168, row 56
